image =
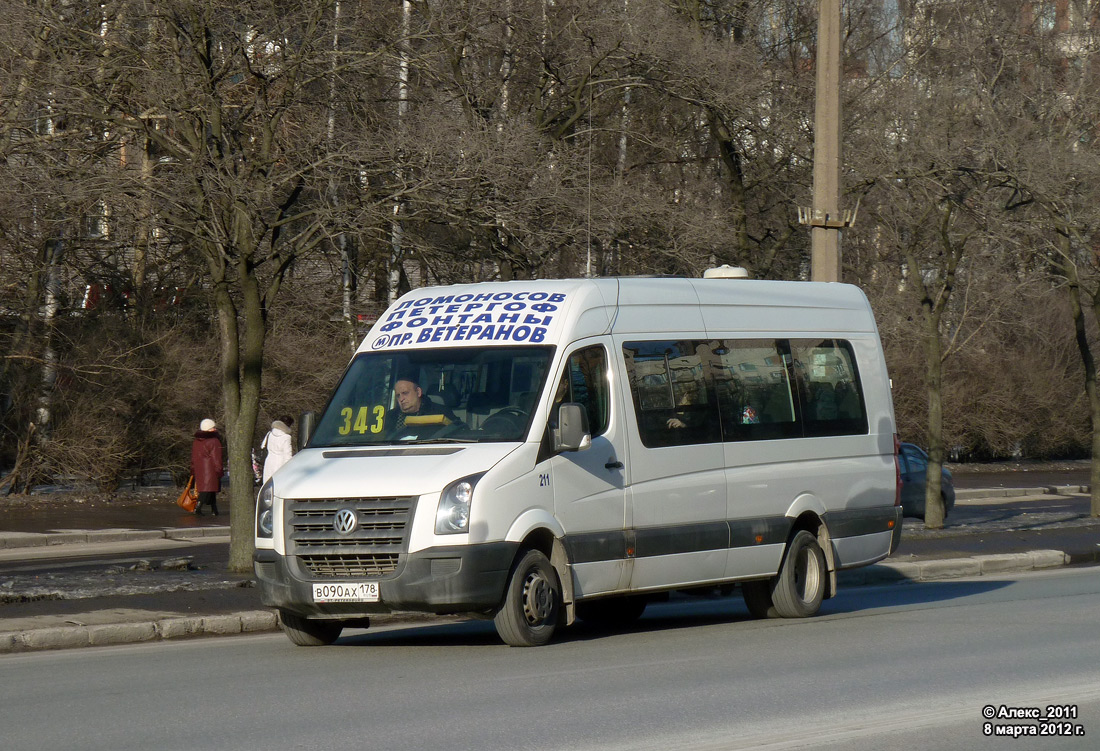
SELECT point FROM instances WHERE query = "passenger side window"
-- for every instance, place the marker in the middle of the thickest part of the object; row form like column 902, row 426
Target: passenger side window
column 758, row 389
column 673, row 400
column 752, row 377
column 828, row 388
column 585, row 381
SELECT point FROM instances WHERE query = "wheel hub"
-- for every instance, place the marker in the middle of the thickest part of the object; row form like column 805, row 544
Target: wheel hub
column 538, row 598
column 806, row 574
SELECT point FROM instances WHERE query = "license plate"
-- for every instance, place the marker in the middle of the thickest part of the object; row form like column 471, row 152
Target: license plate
column 346, row 592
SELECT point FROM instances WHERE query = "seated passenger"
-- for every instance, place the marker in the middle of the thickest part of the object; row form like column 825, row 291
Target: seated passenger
column 683, row 417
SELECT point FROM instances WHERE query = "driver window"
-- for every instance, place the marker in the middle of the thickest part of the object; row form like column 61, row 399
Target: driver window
column 585, row 381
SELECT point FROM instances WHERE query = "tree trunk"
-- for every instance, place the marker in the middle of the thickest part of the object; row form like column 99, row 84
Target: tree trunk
column 1094, row 417
column 933, row 502
column 735, row 184
column 397, row 231
column 348, row 288
column 1094, row 475
column 241, row 368
column 933, row 307
column 1089, row 365
column 44, row 414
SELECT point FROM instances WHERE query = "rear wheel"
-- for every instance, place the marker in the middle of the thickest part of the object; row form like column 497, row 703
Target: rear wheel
column 309, row 632
column 532, row 602
column 800, row 585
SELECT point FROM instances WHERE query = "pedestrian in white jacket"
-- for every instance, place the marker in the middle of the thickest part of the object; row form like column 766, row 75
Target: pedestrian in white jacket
column 279, row 447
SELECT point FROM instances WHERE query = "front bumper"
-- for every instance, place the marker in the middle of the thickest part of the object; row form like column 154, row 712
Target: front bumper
column 460, row 579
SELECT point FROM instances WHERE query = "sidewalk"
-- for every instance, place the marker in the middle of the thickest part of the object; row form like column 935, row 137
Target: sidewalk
column 157, row 594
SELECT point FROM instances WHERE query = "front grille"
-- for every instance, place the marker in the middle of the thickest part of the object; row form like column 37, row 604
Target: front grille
column 374, row 548
column 350, row 566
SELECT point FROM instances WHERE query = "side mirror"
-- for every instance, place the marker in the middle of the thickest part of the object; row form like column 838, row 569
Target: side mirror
column 572, row 431
column 307, row 423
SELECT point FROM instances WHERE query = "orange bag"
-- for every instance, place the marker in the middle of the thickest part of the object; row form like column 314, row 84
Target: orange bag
column 189, row 498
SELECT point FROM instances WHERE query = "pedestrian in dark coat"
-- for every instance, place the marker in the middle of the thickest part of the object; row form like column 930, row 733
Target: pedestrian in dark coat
column 206, row 465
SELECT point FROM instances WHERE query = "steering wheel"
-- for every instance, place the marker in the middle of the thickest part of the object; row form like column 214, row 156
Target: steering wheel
column 508, row 417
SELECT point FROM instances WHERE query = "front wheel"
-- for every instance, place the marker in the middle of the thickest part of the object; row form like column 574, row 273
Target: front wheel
column 799, row 587
column 532, row 602
column 309, row 632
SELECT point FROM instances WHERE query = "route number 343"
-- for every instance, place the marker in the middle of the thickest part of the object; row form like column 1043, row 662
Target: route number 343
column 367, row 419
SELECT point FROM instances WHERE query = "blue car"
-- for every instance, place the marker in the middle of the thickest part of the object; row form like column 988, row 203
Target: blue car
column 914, row 471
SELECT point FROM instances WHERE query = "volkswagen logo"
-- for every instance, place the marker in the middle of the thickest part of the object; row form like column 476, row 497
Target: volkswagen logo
column 346, row 522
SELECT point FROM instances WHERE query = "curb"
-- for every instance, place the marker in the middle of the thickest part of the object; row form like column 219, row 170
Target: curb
column 68, row 637
column 1068, row 489
column 257, row 621
column 972, row 494
column 9, row 540
column 955, row 568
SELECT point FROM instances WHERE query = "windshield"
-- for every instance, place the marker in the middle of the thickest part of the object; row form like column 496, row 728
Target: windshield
column 438, row 395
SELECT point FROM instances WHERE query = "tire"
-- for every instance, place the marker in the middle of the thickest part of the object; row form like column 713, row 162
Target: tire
column 799, row 587
column 758, row 598
column 532, row 602
column 309, row 632
column 612, row 612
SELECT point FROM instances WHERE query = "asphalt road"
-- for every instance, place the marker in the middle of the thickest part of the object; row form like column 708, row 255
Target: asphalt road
column 882, row 667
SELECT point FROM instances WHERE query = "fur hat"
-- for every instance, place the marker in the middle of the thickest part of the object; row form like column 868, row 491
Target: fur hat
column 207, row 425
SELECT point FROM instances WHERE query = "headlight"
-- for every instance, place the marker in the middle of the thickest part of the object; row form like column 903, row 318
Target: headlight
column 265, row 511
column 453, row 513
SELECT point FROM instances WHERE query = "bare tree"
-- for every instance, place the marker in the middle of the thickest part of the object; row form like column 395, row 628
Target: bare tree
column 225, row 168
column 226, row 97
column 948, row 197
column 1042, row 102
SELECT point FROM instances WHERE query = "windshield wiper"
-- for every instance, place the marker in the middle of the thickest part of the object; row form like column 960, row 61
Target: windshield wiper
column 421, row 441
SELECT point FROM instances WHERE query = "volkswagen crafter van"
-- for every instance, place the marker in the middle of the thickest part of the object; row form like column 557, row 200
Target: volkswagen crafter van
column 539, row 451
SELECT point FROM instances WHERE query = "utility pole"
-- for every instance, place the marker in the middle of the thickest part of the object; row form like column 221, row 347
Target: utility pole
column 825, row 218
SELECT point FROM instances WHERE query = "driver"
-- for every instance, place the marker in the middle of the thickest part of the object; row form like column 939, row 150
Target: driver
column 412, row 403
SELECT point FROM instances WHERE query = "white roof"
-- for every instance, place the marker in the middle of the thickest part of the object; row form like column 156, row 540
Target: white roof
column 554, row 311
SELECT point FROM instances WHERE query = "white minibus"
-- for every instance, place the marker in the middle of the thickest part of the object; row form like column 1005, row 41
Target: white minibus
column 540, row 451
